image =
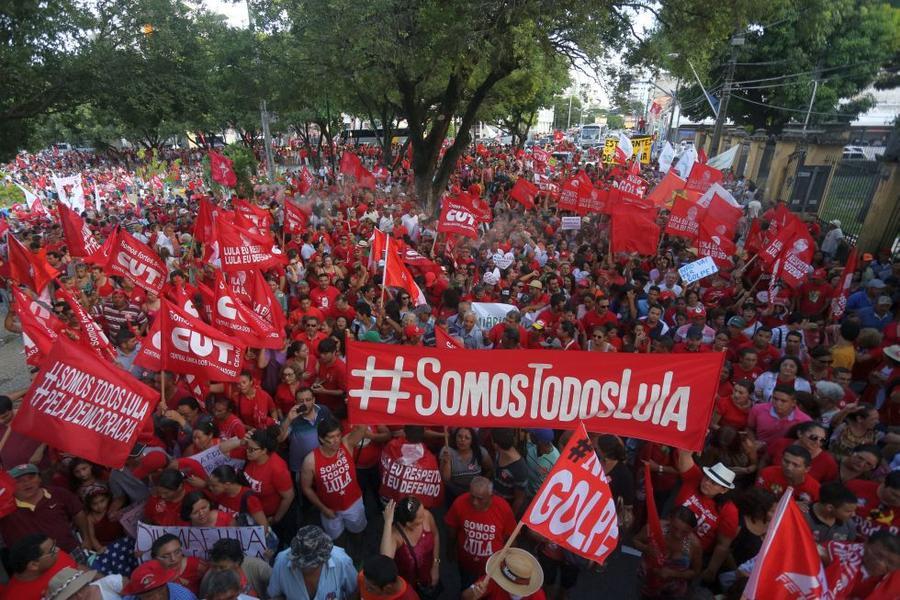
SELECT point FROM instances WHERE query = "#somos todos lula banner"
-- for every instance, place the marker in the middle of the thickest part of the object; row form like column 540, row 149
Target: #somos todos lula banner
column 665, row 401
column 81, row 404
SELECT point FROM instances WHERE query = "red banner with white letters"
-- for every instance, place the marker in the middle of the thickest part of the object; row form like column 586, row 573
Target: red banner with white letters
column 668, row 402
column 457, row 219
column 575, row 507
column 78, row 404
column 188, row 345
column 137, row 262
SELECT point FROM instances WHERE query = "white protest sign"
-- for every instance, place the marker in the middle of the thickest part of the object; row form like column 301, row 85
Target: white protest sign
column 698, row 269
column 571, row 223
column 197, row 541
column 70, row 191
column 211, row 458
column 503, row 260
column 489, row 314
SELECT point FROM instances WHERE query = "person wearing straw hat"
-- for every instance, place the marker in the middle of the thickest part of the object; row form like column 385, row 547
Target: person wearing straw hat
column 511, row 573
column 72, row 583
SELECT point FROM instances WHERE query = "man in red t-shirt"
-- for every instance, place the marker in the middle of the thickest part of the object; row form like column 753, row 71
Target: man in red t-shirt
column 33, row 561
column 767, row 353
column 331, row 380
column 600, row 315
column 717, row 523
column 879, row 504
column 323, row 297
column 746, row 367
column 479, row 524
column 814, row 295
column 793, row 472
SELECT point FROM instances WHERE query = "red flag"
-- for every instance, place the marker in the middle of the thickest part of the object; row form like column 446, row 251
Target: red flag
column 540, row 155
column 597, row 201
column 790, row 254
column 205, row 223
column 701, row 156
column 306, row 181
column 236, row 319
column 457, row 219
column 574, row 507
column 702, row 177
column 754, row 242
column 654, row 527
column 222, row 169
column 397, row 275
column 259, row 217
column 295, row 220
column 264, row 303
column 40, row 328
column 92, row 335
column 793, row 228
column 137, row 262
column 635, row 168
column 634, row 229
column 350, row 164
column 475, row 205
column 7, row 494
column 778, row 219
column 445, row 340
column 721, row 216
column 414, row 259
column 102, row 256
column 684, row 220
column 149, row 356
column 788, row 566
column 241, row 249
column 379, row 245
column 26, row 267
column 524, row 192
column 839, row 301
column 79, row 404
column 79, row 239
column 574, row 189
column 719, row 247
column 188, row 345
column 634, row 189
column 661, row 195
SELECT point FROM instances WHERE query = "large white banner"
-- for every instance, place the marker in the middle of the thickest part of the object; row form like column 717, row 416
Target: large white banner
column 70, row 191
column 490, row 313
column 197, row 541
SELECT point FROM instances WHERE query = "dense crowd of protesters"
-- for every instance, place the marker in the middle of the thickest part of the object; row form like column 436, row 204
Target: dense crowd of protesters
column 805, row 401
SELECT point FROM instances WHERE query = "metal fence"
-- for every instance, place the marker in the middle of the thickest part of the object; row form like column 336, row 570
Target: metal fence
column 850, row 195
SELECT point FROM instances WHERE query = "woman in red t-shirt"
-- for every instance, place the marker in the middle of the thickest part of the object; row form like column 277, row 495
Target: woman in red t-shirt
column 199, row 511
column 811, row 436
column 734, row 410
column 168, row 551
column 265, row 471
column 286, row 392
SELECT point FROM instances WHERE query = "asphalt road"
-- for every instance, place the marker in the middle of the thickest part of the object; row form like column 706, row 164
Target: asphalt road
column 14, row 373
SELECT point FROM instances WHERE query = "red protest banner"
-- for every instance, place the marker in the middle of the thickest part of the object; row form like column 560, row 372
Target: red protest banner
column 524, row 192
column 702, row 177
column 715, row 245
column 839, row 301
column 78, row 404
column 634, row 229
column 575, row 507
column 259, row 217
column 669, row 402
column 188, row 345
column 661, row 195
column 445, row 340
column 79, row 239
column 457, row 219
column 684, row 220
column 137, row 262
column 241, row 249
column 305, row 182
column 40, row 328
column 233, row 317
column 573, row 189
column 92, row 335
column 26, row 267
column 633, row 189
column 788, row 564
column 597, row 201
column 295, row 220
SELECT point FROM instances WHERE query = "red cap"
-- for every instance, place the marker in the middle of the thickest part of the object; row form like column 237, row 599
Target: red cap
column 819, row 274
column 697, row 311
column 148, row 576
column 412, row 331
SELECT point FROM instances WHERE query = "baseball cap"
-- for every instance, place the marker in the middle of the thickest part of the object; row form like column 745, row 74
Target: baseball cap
column 886, row 300
column 697, row 311
column 738, row 322
column 24, row 469
column 412, row 331
column 542, row 435
column 148, row 576
column 539, row 324
column 536, row 284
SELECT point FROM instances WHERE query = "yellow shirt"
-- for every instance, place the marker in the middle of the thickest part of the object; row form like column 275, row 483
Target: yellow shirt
column 843, row 356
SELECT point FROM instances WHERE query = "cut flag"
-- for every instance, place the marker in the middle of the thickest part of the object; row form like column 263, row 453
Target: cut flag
column 26, row 267
column 397, row 275
column 79, row 239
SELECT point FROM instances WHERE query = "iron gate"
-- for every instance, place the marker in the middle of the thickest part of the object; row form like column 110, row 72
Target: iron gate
column 850, row 194
column 809, row 187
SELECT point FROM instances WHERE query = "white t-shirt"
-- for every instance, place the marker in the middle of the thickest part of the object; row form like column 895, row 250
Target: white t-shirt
column 110, row 587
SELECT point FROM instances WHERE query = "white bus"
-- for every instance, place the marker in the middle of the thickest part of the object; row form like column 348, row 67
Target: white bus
column 590, row 136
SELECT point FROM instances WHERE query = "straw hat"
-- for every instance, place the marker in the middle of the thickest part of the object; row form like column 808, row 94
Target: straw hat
column 516, row 571
column 68, row 582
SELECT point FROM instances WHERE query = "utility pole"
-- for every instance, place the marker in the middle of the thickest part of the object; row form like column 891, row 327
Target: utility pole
column 737, row 40
column 569, row 118
column 812, row 101
column 674, row 108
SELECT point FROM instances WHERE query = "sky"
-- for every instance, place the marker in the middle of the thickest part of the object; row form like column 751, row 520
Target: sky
column 235, row 11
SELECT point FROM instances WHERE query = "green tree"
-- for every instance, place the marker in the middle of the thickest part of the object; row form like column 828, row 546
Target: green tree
column 565, row 112
column 841, row 45
column 42, row 47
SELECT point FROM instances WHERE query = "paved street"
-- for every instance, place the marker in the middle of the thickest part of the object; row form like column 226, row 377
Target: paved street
column 14, row 373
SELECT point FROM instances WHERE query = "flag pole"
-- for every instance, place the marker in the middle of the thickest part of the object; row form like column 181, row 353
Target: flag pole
column 162, row 389
column 387, row 253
